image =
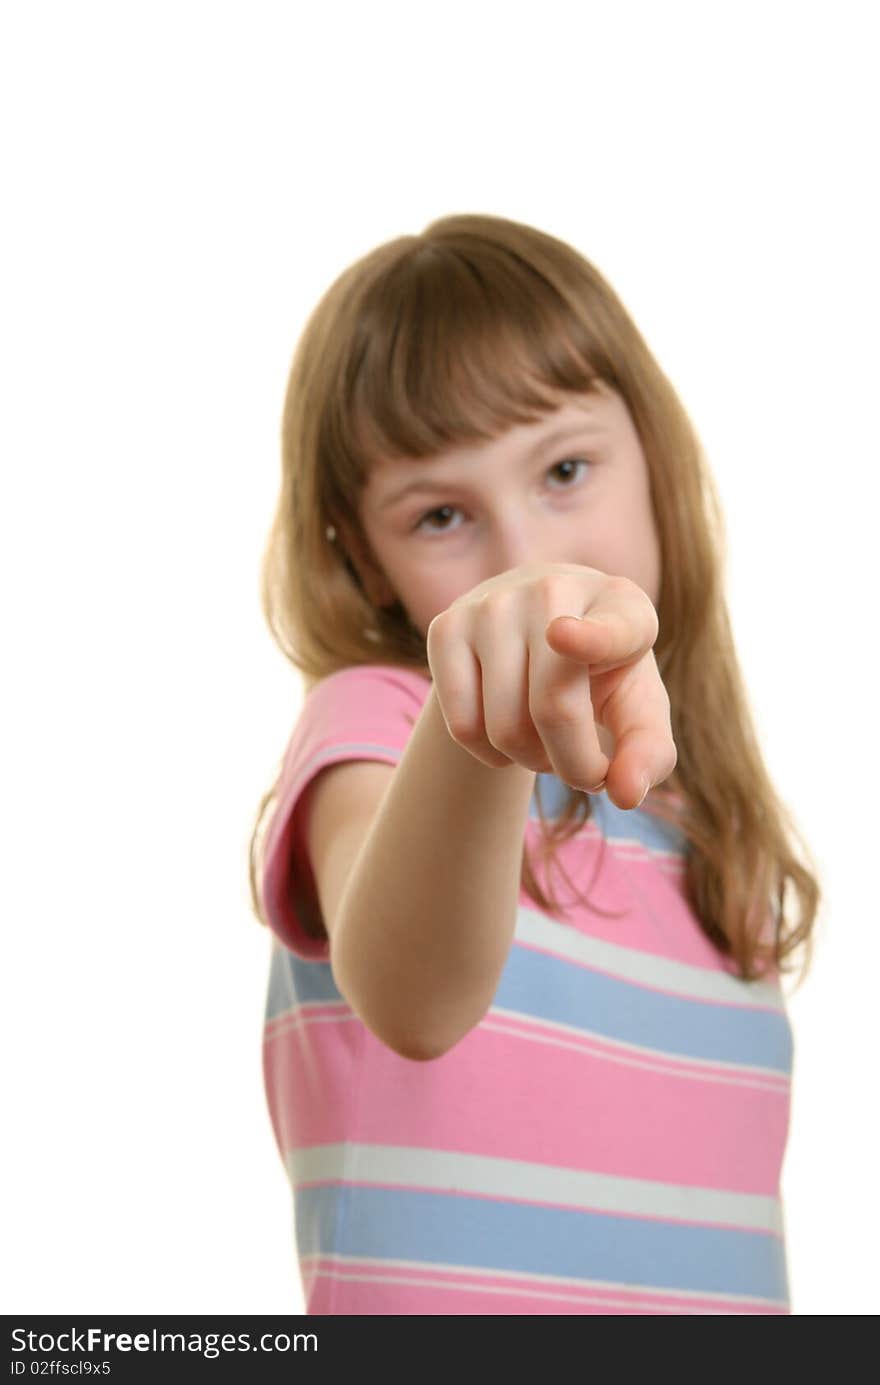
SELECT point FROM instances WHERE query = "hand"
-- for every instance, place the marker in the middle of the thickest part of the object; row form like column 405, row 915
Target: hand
column 529, row 665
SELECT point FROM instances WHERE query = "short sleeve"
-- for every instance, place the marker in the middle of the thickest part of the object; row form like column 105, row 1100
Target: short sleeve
column 365, row 712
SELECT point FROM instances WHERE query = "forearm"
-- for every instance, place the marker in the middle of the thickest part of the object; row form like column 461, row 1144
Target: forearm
column 427, row 918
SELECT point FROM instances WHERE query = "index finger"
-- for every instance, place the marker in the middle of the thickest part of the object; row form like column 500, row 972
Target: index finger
column 627, row 692
column 615, row 632
column 634, row 705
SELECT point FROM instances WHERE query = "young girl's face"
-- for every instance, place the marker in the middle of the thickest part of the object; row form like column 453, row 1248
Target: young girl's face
column 572, row 488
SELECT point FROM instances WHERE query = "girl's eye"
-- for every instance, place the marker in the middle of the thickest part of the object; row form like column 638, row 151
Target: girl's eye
column 569, row 462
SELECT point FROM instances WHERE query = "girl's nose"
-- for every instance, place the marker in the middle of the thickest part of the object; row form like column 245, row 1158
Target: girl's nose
column 515, row 543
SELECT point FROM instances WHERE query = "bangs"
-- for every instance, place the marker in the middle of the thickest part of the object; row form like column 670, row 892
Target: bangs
column 456, row 343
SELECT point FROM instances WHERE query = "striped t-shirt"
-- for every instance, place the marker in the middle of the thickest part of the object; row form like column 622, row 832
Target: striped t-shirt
column 608, row 1139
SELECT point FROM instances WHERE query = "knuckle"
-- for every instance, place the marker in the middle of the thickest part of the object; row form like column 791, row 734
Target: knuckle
column 546, row 583
column 621, row 586
column 455, row 692
column 462, row 728
column 441, row 626
column 548, row 588
column 457, row 703
column 557, row 711
column 433, row 643
column 494, row 606
column 511, row 739
column 615, row 582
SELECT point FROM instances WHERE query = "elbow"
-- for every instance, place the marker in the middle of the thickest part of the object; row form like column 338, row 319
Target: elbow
column 417, row 1042
column 416, row 1048
column 425, row 1048
column 413, row 1046
column 426, row 1042
column 420, row 1052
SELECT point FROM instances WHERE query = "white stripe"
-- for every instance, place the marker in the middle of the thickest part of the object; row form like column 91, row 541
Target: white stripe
column 630, row 964
column 484, row 1175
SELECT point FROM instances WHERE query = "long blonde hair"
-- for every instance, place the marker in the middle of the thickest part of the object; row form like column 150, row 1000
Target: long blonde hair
column 450, row 337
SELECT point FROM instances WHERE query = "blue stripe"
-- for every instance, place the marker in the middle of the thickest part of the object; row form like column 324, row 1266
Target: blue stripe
column 438, row 1229
column 546, row 988
column 617, row 824
column 293, row 981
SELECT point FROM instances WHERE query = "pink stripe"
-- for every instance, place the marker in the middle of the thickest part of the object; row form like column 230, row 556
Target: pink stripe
column 309, row 1092
column 391, row 1290
column 499, row 1096
column 654, row 916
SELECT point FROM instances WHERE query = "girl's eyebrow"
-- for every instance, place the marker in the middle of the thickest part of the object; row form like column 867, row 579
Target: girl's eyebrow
column 429, row 483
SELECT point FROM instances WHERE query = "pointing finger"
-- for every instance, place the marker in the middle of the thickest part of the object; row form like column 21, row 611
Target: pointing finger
column 604, row 640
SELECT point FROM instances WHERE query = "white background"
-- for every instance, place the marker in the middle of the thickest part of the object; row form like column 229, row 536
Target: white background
column 182, row 181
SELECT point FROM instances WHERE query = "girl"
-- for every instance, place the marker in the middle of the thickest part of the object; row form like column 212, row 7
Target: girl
column 497, row 564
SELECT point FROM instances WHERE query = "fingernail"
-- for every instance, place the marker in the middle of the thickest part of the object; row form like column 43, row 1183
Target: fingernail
column 598, row 788
column 647, row 783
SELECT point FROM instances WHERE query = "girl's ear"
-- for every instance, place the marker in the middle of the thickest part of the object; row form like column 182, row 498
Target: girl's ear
column 373, row 580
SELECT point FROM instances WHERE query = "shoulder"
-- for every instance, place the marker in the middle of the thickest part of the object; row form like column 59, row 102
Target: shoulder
column 364, row 691
column 352, row 729
column 373, row 675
